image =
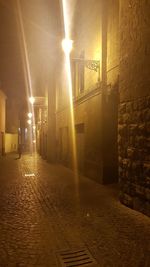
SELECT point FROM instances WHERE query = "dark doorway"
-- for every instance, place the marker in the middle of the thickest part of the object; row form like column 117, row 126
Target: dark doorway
column 80, row 143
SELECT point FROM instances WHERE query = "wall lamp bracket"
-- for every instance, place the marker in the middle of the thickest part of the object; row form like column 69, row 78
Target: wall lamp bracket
column 88, row 63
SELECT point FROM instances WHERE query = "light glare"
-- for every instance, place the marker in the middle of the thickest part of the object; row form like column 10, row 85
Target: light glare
column 32, row 100
column 67, row 45
column 29, row 122
column 30, row 115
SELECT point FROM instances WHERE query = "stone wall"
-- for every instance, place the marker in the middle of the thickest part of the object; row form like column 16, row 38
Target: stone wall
column 134, row 49
column 134, row 107
column 134, row 153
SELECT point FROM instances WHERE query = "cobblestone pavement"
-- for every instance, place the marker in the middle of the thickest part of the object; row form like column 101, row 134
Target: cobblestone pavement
column 45, row 213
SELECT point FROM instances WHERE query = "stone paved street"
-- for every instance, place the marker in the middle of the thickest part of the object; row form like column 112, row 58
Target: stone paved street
column 45, row 213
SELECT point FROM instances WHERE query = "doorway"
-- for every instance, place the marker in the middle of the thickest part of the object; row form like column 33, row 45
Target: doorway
column 110, row 136
column 80, row 144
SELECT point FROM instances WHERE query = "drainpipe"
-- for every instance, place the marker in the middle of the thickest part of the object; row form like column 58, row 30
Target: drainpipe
column 104, row 16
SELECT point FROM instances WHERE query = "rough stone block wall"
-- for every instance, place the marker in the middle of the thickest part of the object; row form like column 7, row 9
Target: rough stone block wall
column 134, row 153
column 134, row 107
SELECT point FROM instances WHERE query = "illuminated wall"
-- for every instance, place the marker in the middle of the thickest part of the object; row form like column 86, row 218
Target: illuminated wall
column 87, row 36
column 11, row 143
column 2, row 111
column 95, row 122
column 12, row 115
column 86, row 33
column 2, row 122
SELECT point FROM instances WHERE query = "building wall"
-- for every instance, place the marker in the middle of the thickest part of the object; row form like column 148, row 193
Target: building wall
column 88, row 135
column 11, row 143
column 110, row 90
column 2, row 121
column 95, row 107
column 12, row 115
column 87, row 104
column 87, row 36
column 113, row 48
column 134, row 108
column 2, row 111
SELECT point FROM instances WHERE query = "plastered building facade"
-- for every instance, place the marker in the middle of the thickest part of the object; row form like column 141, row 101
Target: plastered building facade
column 2, row 122
column 95, row 89
column 110, row 76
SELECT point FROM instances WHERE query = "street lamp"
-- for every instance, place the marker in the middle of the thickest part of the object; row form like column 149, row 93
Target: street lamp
column 32, row 100
column 29, row 115
column 67, row 45
column 29, row 122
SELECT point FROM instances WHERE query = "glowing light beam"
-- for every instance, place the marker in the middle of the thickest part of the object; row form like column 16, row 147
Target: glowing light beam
column 25, row 58
column 67, row 47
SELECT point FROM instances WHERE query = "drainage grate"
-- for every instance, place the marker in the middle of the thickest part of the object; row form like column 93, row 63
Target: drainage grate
column 29, row 174
column 75, row 258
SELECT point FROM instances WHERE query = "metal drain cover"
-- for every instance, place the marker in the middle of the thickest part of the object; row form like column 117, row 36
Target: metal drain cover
column 75, row 258
column 29, row 174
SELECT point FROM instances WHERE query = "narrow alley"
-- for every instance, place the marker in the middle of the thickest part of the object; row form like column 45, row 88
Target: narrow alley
column 45, row 215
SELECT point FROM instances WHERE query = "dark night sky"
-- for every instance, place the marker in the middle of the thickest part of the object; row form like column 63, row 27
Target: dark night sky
column 38, row 19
